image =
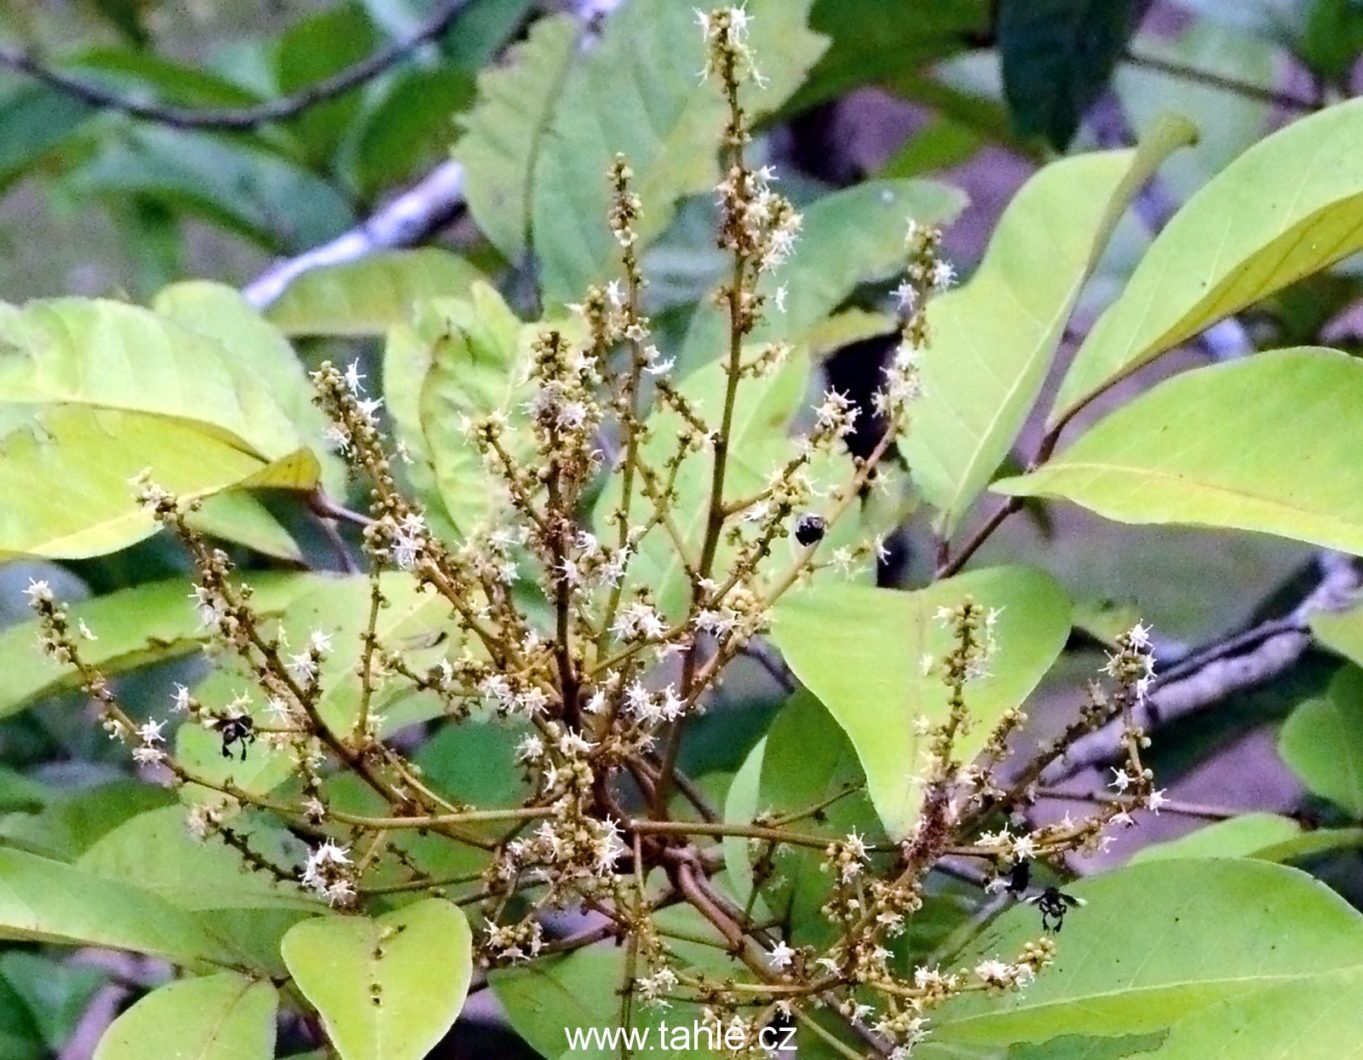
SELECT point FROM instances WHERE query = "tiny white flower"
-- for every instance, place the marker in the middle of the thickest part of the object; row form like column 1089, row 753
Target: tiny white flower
column 38, row 591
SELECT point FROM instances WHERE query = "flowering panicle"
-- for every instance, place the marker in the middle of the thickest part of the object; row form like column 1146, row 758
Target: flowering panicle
column 626, row 566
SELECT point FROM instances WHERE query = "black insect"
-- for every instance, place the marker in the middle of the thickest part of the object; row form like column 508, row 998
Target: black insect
column 240, row 730
column 1019, row 878
column 809, row 530
column 1054, row 904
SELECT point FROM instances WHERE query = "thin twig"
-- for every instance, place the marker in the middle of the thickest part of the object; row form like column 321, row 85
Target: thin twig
column 1227, row 84
column 238, row 119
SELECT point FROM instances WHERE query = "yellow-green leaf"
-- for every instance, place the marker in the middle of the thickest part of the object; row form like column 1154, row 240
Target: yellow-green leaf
column 95, row 454
column 1289, row 206
column 387, row 988
column 861, row 651
column 369, row 296
column 1270, row 444
column 217, row 1017
column 993, row 340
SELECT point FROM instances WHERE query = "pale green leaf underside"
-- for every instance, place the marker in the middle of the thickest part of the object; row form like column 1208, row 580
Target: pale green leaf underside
column 218, row 1017
column 1287, row 207
column 993, row 340
column 860, row 651
column 1245, row 836
column 1268, row 444
column 387, row 988
column 367, row 297
column 1168, row 943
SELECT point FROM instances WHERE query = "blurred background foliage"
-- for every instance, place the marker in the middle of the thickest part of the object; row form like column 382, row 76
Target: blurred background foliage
column 98, row 201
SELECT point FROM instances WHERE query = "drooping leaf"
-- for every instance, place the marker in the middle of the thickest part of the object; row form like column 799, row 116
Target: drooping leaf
column 1333, row 37
column 37, row 120
column 850, row 237
column 1057, row 56
column 387, row 988
column 862, row 650
column 95, row 454
column 46, row 901
column 502, row 134
column 238, row 516
column 369, row 296
column 993, row 340
column 1322, row 742
column 1238, row 837
column 223, row 315
column 637, row 93
column 98, row 354
column 227, row 1016
column 1235, row 445
column 1166, row 944
column 1289, row 206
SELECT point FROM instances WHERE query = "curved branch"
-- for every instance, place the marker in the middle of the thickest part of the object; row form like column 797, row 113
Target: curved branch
column 239, row 119
column 1244, row 661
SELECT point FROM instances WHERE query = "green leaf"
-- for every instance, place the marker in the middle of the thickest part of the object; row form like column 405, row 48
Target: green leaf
column 860, row 650
column 20, row 1036
column 1289, row 206
column 95, row 454
column 502, row 134
column 410, row 126
column 156, row 849
column 993, row 340
column 46, row 901
column 638, row 93
column 239, row 517
column 849, row 238
column 144, row 624
column 97, row 354
column 220, row 313
column 1333, row 37
column 477, row 358
column 1239, row 837
column 1239, row 445
column 313, row 49
column 226, row 181
column 73, row 820
column 741, row 805
column 217, row 1017
column 866, row 47
column 1168, row 944
column 387, row 988
column 808, row 761
column 1322, row 742
column 19, row 794
column 367, row 297
column 1341, row 632
column 37, row 120
column 1057, row 56
column 549, row 999
column 55, row 993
